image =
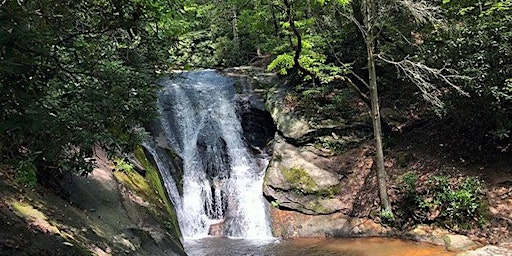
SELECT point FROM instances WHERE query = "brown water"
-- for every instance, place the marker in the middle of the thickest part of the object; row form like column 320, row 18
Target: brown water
column 312, row 247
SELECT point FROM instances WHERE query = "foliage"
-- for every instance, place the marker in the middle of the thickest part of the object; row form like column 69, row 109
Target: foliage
column 456, row 204
column 75, row 75
column 387, row 216
column 26, row 173
column 275, row 203
column 123, row 166
column 478, row 45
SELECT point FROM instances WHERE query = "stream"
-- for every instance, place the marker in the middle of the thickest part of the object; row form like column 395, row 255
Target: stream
column 312, row 247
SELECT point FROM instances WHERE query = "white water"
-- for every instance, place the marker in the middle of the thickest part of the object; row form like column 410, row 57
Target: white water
column 221, row 181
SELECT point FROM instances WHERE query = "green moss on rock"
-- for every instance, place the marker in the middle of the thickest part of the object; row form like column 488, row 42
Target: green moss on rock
column 156, row 181
column 304, row 184
column 300, row 179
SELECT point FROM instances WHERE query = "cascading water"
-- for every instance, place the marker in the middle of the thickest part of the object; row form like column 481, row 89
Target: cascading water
column 221, row 182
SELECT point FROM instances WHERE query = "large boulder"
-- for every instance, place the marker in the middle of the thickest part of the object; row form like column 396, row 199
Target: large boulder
column 294, row 182
column 291, row 224
column 299, row 129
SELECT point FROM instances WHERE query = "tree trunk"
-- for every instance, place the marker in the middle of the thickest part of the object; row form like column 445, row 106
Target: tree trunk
column 371, row 12
column 236, row 39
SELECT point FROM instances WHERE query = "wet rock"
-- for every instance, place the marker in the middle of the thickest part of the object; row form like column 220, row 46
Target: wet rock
column 427, row 233
column 216, row 229
column 290, row 224
column 257, row 124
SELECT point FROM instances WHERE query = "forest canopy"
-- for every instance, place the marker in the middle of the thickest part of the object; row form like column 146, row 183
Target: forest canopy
column 80, row 74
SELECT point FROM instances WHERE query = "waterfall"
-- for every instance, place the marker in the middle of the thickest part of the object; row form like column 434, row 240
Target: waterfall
column 222, row 183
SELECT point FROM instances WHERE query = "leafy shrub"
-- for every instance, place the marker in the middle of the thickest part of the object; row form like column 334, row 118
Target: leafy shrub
column 26, row 172
column 457, row 205
column 460, row 206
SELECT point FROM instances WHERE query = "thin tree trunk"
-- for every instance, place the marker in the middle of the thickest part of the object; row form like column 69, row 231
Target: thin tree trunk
column 298, row 48
column 370, row 10
column 236, row 38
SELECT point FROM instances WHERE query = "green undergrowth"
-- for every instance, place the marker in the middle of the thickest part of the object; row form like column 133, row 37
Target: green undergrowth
column 321, row 102
column 456, row 203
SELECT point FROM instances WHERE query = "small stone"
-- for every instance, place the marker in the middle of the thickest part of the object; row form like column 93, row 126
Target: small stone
column 356, row 230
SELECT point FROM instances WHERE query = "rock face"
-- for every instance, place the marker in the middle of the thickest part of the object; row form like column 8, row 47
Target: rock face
column 302, row 174
column 257, row 124
column 298, row 129
column 288, row 123
column 290, row 224
column 294, row 182
column 122, row 212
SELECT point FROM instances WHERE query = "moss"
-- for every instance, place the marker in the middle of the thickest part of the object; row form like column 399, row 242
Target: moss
column 317, row 207
column 156, row 182
column 404, row 158
column 30, row 213
column 331, row 191
column 305, row 185
column 299, row 178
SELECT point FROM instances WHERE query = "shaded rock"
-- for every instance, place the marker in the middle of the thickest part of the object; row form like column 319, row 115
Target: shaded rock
column 294, row 182
column 458, row 243
column 488, row 250
column 257, row 124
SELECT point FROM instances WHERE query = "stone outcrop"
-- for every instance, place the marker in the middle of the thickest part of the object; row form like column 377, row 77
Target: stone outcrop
column 290, row 224
column 298, row 129
column 293, row 182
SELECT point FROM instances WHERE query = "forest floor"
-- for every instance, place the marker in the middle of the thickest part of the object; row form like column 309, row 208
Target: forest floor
column 435, row 148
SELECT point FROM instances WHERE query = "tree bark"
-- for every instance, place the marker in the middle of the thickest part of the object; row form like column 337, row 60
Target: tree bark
column 370, row 15
column 298, row 48
column 236, row 39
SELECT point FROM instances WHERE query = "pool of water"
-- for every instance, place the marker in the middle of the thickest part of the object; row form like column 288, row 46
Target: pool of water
column 312, row 247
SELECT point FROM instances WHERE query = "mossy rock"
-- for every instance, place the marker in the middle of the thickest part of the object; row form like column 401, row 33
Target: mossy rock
column 156, row 182
column 304, row 184
column 299, row 178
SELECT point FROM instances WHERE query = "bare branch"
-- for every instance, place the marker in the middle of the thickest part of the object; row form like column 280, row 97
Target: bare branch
column 422, row 11
column 421, row 75
column 354, row 20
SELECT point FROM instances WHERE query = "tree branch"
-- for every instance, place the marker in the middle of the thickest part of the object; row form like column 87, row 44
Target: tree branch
column 298, row 48
column 422, row 11
column 421, row 74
